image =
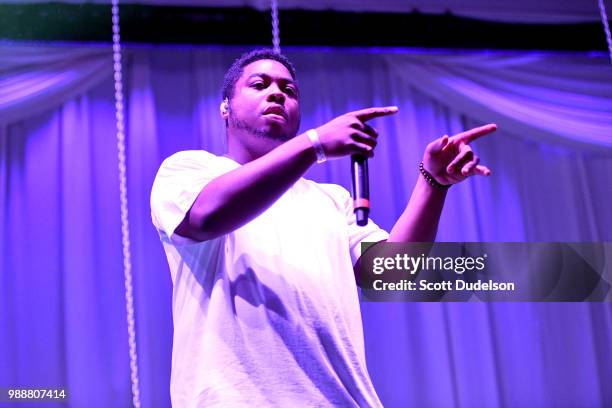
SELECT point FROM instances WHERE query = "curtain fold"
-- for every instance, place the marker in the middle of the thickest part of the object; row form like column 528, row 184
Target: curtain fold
column 542, row 98
column 62, row 305
column 35, row 79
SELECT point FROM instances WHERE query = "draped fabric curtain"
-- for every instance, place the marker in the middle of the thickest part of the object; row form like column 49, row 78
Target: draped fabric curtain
column 561, row 99
column 62, row 304
column 35, row 79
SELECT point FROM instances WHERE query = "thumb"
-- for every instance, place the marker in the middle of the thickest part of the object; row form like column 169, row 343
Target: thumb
column 438, row 145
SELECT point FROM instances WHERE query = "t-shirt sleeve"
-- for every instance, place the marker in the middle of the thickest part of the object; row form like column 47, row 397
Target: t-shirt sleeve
column 177, row 184
column 356, row 234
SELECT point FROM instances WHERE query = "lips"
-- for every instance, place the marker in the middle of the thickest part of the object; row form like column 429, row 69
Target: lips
column 276, row 110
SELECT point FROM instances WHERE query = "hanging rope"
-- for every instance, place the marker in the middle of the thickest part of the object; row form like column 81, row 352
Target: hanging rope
column 275, row 29
column 125, row 226
column 604, row 20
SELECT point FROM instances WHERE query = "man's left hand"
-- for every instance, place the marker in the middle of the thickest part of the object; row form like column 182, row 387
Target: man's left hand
column 451, row 159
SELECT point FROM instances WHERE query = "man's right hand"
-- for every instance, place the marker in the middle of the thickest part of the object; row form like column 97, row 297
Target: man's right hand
column 350, row 134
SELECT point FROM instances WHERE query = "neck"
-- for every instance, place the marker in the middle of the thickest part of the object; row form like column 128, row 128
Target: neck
column 246, row 147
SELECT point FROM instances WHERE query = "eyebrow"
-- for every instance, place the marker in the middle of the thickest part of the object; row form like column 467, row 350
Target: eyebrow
column 264, row 75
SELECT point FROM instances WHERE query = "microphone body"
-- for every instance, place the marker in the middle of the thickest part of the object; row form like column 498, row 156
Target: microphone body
column 361, row 189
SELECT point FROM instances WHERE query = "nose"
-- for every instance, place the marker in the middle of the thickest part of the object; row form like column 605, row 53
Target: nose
column 275, row 94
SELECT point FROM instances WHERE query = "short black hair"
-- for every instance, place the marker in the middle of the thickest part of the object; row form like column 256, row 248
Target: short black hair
column 235, row 71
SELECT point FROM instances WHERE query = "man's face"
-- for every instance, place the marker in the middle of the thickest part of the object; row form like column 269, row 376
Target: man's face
column 265, row 101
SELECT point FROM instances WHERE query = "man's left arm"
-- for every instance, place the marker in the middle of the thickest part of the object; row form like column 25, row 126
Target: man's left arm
column 448, row 160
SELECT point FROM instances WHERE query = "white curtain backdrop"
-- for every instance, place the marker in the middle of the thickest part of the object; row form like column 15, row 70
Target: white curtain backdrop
column 62, row 307
column 535, row 96
column 35, row 79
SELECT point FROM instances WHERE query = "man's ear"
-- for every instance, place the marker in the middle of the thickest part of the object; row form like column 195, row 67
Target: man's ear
column 224, row 109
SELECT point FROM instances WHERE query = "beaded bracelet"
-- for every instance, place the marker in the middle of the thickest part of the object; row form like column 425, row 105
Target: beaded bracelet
column 432, row 181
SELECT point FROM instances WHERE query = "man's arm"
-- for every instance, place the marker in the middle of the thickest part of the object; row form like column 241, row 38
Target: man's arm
column 419, row 221
column 235, row 198
column 449, row 161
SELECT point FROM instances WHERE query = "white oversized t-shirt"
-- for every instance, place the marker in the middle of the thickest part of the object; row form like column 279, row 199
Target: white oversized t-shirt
column 267, row 315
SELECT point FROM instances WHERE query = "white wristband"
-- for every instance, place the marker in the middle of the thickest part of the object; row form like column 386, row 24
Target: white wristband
column 316, row 144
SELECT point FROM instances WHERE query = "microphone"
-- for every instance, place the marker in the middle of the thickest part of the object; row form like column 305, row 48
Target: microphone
column 361, row 189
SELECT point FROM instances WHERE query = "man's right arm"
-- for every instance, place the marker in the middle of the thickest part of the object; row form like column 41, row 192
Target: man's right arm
column 235, row 198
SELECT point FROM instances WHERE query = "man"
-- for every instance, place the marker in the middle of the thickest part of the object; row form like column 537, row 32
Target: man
column 265, row 305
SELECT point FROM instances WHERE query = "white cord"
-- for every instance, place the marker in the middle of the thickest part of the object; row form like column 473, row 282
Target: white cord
column 275, row 28
column 125, row 226
column 604, row 20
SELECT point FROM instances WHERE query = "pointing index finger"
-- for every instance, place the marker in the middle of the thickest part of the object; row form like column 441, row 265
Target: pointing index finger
column 470, row 135
column 371, row 113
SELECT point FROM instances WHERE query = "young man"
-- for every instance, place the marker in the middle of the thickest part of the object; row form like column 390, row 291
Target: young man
column 265, row 306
